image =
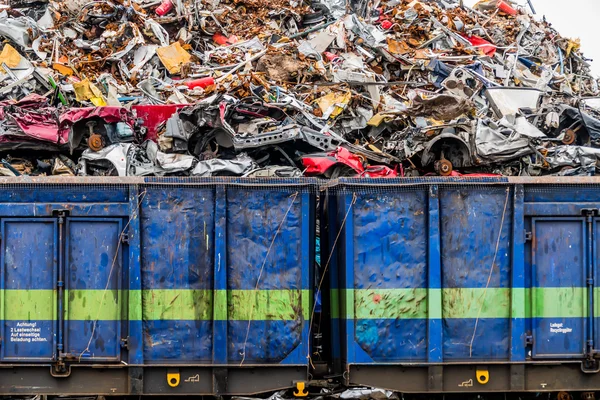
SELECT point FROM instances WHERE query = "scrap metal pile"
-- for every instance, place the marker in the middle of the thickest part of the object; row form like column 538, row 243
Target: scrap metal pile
column 378, row 88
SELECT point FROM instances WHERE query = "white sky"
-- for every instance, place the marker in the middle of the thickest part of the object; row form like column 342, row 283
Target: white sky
column 572, row 18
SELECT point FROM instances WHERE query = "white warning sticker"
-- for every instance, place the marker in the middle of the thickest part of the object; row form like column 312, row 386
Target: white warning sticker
column 556, row 327
column 27, row 332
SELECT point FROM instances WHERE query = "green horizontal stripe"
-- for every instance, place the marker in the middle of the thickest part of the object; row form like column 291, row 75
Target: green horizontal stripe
column 27, row 305
column 156, row 304
column 135, row 305
column 476, row 303
column 334, row 295
column 462, row 303
column 93, row 305
column 185, row 304
column 177, row 304
column 434, row 303
column 232, row 305
column 271, row 305
column 559, row 302
column 220, row 305
column 390, row 303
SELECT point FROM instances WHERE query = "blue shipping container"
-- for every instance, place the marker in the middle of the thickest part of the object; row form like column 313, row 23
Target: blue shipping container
column 163, row 286
column 479, row 284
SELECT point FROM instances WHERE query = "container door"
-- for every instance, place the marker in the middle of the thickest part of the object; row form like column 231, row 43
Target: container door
column 559, row 294
column 596, row 292
column 28, row 301
column 93, row 276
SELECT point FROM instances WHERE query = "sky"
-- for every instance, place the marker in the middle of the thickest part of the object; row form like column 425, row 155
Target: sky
column 573, row 19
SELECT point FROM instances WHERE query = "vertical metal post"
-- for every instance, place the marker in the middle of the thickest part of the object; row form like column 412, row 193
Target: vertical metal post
column 220, row 302
column 517, row 300
column 329, row 212
column 307, row 266
column 589, row 214
column 434, row 287
column 348, row 278
column 220, row 280
column 134, row 303
column 60, row 286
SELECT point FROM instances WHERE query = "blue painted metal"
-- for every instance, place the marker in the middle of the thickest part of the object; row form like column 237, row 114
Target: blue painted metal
column 60, row 288
column 347, row 226
column 435, row 335
column 471, row 217
column 589, row 216
column 177, row 231
column 29, row 261
column 518, row 331
column 220, row 272
column 134, row 339
column 402, row 246
column 94, row 261
column 174, row 235
column 497, row 239
column 264, row 245
column 74, row 209
column 559, row 242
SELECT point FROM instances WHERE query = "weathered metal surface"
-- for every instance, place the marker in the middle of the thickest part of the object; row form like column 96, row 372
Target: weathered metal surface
column 187, row 275
column 332, row 183
column 94, row 269
column 264, row 245
column 401, row 246
column 258, row 306
column 28, row 272
column 177, row 234
column 475, row 253
column 478, row 271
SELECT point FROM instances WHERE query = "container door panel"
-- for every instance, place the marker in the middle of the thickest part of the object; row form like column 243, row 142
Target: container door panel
column 93, row 282
column 596, row 294
column 559, row 293
column 390, row 275
column 29, row 259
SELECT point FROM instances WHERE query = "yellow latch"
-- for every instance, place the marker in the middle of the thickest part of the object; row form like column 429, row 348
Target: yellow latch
column 483, row 376
column 173, row 378
column 300, row 389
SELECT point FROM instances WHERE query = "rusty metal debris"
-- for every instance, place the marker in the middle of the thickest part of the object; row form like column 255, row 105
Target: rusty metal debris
column 292, row 87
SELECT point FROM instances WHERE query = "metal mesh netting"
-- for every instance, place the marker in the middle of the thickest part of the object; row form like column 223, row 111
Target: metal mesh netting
column 11, row 187
column 66, row 185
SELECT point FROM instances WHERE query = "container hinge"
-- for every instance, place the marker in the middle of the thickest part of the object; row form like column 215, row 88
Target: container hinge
column 60, row 214
column 124, row 238
column 528, row 236
column 125, row 343
column 589, row 212
column 60, row 284
column 590, row 281
column 529, row 340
